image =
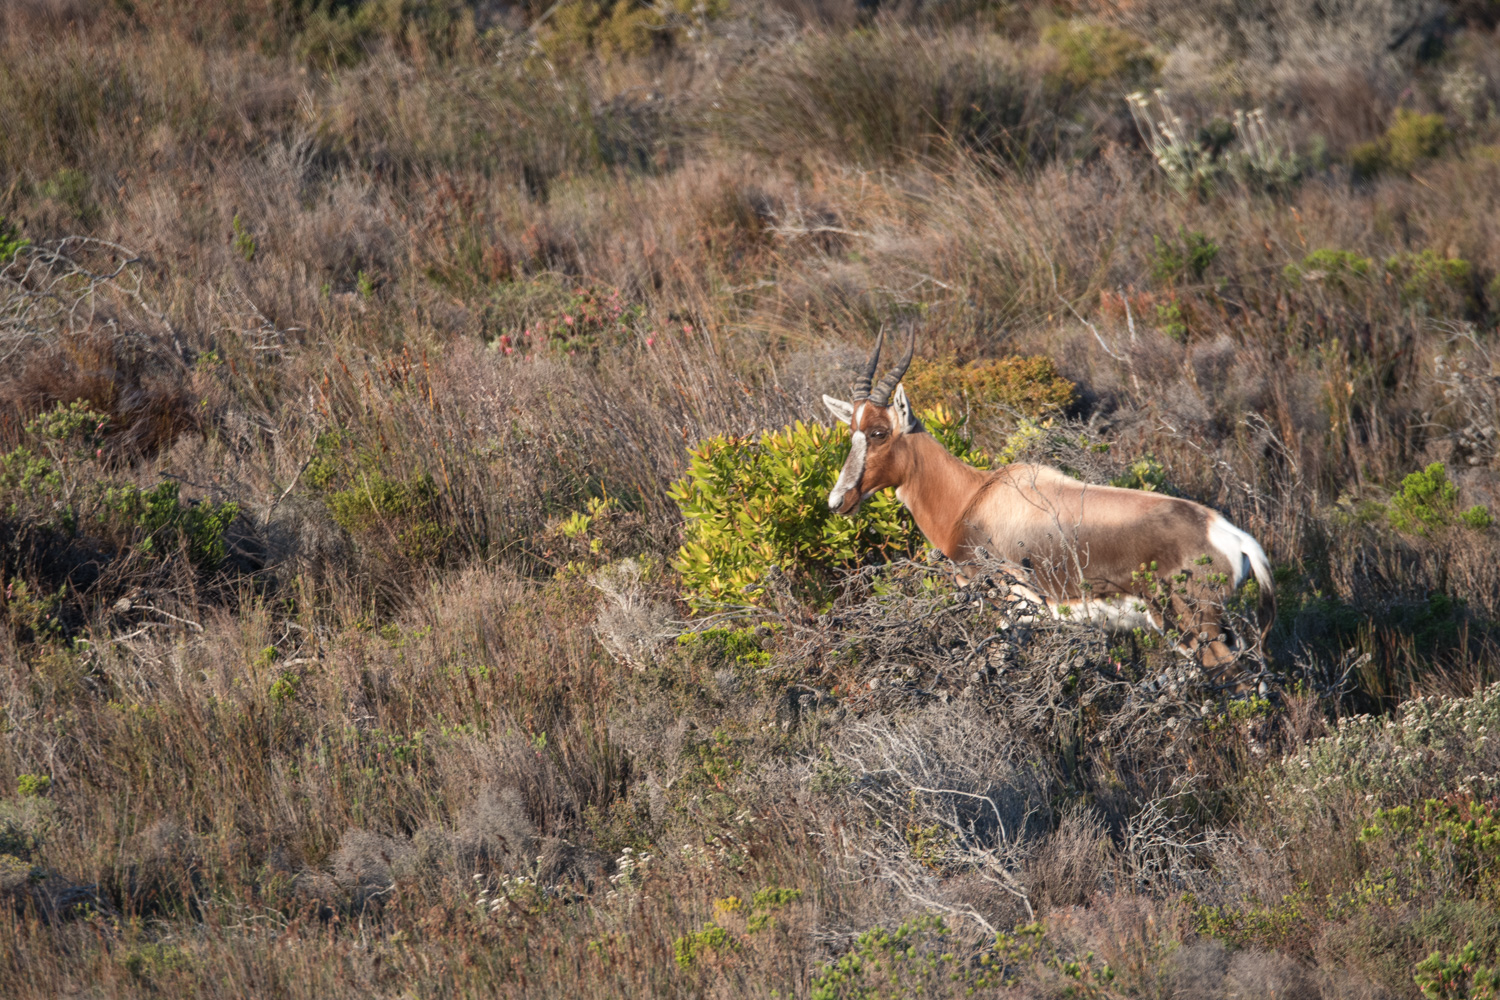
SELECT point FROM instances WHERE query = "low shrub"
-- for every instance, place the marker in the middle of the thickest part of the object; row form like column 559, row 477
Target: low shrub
column 1415, row 137
column 688, row 948
column 30, row 785
column 1186, row 258
column 1432, row 282
column 1411, row 139
column 1461, row 974
column 910, row 960
column 1343, row 270
column 42, row 497
column 1427, row 502
column 542, row 314
column 11, row 241
column 1422, row 750
column 1197, row 159
column 759, row 507
column 1030, row 385
column 403, row 509
column 615, row 28
column 161, row 522
column 1145, row 473
column 1443, row 846
column 343, row 33
column 1090, row 55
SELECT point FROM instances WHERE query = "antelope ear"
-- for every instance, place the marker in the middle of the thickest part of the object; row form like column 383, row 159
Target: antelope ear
column 905, row 419
column 842, row 412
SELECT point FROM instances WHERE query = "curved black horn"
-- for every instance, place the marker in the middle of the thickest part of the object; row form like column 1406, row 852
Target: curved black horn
column 862, row 381
column 882, row 394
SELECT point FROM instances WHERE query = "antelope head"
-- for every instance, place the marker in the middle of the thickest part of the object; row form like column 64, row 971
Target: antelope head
column 879, row 419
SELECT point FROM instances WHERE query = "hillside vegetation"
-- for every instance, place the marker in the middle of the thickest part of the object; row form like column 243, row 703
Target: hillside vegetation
column 415, row 571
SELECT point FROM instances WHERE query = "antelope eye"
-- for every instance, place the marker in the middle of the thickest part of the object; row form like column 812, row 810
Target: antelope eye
column 877, row 434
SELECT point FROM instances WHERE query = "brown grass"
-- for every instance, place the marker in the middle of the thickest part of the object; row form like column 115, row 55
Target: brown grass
column 410, row 290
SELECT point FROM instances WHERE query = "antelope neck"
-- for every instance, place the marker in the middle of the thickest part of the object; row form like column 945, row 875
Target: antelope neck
column 938, row 488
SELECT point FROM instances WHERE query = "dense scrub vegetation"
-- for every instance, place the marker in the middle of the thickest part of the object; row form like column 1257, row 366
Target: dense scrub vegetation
column 414, row 573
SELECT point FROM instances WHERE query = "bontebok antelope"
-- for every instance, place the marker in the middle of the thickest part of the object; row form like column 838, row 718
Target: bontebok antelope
column 1123, row 558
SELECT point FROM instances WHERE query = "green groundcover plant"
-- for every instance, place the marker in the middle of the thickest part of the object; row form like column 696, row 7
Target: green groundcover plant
column 756, row 507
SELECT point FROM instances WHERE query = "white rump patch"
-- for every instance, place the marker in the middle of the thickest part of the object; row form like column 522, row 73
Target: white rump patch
column 1243, row 552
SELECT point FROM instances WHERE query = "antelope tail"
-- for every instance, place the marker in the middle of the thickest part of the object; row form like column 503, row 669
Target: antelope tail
column 1248, row 558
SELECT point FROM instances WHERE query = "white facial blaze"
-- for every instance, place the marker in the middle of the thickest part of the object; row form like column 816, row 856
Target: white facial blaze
column 854, row 468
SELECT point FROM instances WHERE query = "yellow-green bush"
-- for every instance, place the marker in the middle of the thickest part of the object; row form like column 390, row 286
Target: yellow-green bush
column 1089, row 54
column 754, row 506
column 11, row 241
column 1461, row 974
column 1341, row 269
column 1428, row 501
column 1447, row 845
column 614, row 28
column 1030, row 385
column 407, row 509
column 1432, row 281
column 1412, row 138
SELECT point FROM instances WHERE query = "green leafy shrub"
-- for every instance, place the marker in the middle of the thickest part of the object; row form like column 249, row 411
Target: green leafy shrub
column 69, row 431
column 162, row 522
column 687, row 949
column 73, row 190
column 614, row 28
column 62, row 492
column 243, row 240
column 1343, row 270
column 284, row 688
column 1415, row 137
column 1183, row 259
column 156, row 962
column 910, row 960
column 406, row 509
column 30, row 785
column 714, row 762
column 25, row 824
column 1411, row 139
column 343, row 32
column 754, row 507
column 1428, row 501
column 1459, row 976
column 740, row 647
column 1445, row 846
column 1091, row 54
column 775, row 896
column 11, row 241
column 1145, row 473
column 32, row 614
column 1256, row 923
column 1171, row 318
column 1434, row 282
column 1030, row 385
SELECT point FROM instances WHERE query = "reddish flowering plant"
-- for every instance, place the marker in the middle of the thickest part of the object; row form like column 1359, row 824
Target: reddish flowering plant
column 588, row 320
